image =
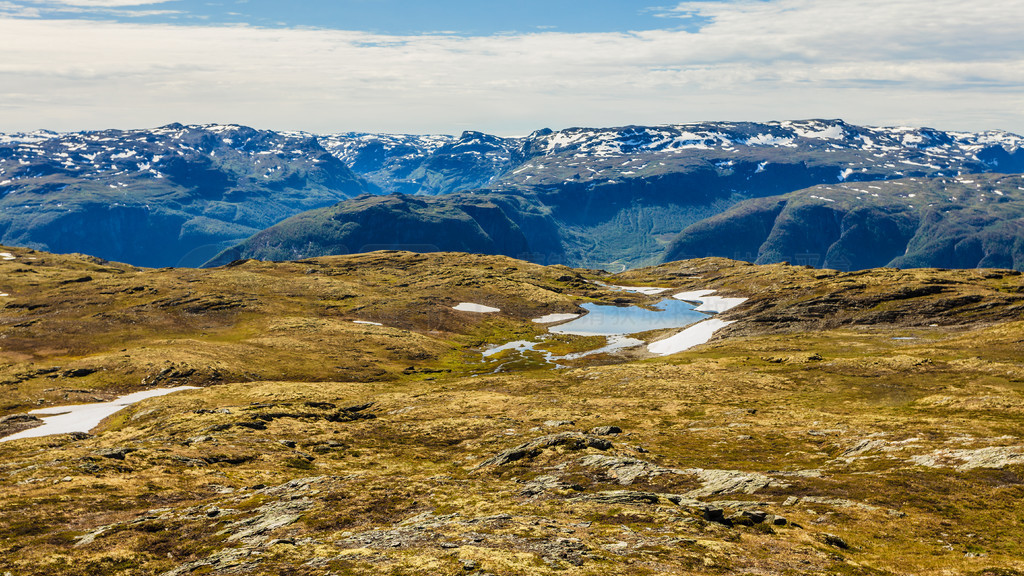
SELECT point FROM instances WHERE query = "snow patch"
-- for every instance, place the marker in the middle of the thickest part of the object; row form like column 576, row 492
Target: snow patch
column 694, row 296
column 552, row 318
column 648, row 290
column 717, row 304
column 695, row 335
column 470, row 307
column 834, row 132
column 768, row 140
column 85, row 417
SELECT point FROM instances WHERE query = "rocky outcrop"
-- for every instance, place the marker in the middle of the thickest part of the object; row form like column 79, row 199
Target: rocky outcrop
column 990, row 457
column 569, row 440
column 626, row 470
column 17, row 423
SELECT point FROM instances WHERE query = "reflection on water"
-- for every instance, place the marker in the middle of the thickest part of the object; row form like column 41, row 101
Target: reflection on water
column 603, row 320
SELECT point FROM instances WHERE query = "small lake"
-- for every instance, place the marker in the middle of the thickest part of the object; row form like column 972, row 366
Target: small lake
column 605, row 320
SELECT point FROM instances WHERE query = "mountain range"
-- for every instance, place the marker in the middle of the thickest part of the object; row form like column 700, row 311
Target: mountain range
column 612, row 198
column 174, row 195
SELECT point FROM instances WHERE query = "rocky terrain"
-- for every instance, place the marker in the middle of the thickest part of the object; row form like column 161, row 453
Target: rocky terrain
column 844, row 423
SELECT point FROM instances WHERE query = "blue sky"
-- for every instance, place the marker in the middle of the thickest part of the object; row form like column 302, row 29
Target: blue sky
column 396, row 17
column 508, row 67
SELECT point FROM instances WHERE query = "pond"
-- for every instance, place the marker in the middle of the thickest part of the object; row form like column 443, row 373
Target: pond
column 606, row 320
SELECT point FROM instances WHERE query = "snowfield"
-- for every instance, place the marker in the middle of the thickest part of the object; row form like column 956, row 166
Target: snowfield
column 85, row 417
column 480, row 308
column 695, row 335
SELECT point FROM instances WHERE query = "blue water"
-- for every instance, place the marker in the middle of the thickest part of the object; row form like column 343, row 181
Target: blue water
column 604, row 320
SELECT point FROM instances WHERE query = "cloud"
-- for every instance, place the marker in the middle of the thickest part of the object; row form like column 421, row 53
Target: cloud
column 933, row 62
column 18, row 10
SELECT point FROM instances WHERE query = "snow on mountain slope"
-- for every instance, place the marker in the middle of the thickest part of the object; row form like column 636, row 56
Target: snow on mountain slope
column 619, row 194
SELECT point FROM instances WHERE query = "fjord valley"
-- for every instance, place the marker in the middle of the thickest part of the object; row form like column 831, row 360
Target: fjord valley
column 345, row 417
column 609, row 198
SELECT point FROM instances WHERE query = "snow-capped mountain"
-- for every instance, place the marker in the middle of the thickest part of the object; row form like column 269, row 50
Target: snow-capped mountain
column 616, row 197
column 431, row 165
column 153, row 197
column 553, row 159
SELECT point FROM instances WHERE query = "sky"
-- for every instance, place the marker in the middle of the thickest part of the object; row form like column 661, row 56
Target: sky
column 509, row 67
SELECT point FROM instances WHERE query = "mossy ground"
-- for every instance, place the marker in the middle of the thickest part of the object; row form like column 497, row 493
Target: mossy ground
column 275, row 466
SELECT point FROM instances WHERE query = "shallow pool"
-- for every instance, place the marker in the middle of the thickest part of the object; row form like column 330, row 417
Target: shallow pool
column 606, row 320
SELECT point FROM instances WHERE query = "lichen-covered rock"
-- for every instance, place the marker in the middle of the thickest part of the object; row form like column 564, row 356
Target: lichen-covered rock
column 571, row 440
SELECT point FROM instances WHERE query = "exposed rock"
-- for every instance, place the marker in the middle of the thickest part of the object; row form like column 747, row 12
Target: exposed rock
column 557, row 423
column 833, row 540
column 619, row 497
column 17, row 423
column 228, row 559
column 572, row 440
column 714, row 514
column 557, row 550
column 543, row 484
column 730, row 482
column 862, row 447
column 606, row 430
column 92, row 536
column 114, row 453
column 626, row 470
column 758, row 516
column 78, row 372
column 991, row 457
column 740, row 520
column 420, row 531
column 253, row 530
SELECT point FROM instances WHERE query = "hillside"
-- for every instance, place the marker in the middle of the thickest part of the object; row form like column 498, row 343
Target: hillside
column 482, row 223
column 845, row 423
column 972, row 221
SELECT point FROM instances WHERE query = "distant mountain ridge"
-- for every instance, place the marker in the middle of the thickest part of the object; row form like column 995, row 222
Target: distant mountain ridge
column 611, row 197
column 617, row 197
column 399, row 163
column 174, row 195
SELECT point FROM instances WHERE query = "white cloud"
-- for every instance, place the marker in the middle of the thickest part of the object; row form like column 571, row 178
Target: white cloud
column 934, row 62
column 18, row 10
